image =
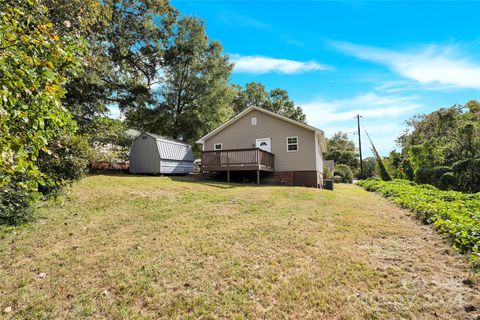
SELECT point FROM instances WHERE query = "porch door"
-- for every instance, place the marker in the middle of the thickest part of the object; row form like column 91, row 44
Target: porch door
column 264, row 144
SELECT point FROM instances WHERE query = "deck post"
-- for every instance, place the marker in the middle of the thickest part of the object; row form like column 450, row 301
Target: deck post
column 228, row 167
column 258, row 177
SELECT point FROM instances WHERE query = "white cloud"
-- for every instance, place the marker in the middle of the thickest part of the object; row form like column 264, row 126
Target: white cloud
column 261, row 64
column 368, row 105
column 428, row 65
column 382, row 115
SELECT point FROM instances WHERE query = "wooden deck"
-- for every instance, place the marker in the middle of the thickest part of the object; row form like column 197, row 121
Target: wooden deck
column 238, row 160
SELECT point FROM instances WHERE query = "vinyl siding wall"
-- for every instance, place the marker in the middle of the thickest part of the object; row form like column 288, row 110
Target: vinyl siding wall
column 152, row 155
column 144, row 156
column 242, row 134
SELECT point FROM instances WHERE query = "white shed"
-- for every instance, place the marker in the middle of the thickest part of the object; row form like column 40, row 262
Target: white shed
column 151, row 153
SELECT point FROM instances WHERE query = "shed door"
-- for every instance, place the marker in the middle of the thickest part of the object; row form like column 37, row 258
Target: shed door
column 264, row 144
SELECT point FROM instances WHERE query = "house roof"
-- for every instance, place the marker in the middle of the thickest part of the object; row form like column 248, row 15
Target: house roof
column 317, row 131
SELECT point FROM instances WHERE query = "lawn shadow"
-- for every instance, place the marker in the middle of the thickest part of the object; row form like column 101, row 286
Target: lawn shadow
column 211, row 182
column 190, row 178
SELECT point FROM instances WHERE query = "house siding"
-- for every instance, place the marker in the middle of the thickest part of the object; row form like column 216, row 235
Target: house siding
column 242, row 134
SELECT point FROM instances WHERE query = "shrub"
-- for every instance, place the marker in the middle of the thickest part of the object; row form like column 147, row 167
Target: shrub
column 337, row 179
column 448, row 181
column 344, row 172
column 468, row 174
column 66, row 161
column 423, row 175
column 16, row 204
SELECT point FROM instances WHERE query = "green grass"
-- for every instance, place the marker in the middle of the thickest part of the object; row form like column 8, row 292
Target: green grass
column 132, row 247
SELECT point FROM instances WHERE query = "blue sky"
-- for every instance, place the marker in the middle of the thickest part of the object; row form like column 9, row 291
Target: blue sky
column 385, row 60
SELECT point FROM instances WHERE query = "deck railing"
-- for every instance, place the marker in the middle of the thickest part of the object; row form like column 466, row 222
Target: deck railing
column 237, row 159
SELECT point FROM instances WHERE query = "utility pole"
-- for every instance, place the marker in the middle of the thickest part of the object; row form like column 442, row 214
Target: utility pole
column 360, row 145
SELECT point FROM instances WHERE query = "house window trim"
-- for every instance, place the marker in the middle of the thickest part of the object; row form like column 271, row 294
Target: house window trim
column 254, row 121
column 216, row 144
column 296, row 137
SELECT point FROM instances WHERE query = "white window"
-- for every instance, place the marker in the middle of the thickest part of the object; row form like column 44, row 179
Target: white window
column 254, row 121
column 292, row 144
column 217, row 146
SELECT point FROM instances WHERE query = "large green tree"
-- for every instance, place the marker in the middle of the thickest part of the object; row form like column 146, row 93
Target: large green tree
column 34, row 64
column 127, row 41
column 195, row 95
column 276, row 100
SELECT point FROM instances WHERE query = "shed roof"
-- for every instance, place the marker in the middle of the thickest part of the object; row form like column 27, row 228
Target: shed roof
column 171, row 149
column 159, row 137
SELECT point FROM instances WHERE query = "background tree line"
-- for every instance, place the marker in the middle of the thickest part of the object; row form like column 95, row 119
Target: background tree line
column 441, row 148
column 64, row 63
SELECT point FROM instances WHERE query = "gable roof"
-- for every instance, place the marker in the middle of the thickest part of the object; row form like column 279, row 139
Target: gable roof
column 317, row 131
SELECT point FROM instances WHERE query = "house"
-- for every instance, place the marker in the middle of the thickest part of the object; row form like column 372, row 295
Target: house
column 154, row 154
column 277, row 148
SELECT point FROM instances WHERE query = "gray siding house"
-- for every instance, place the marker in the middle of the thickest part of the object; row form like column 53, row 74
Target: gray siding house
column 278, row 148
column 154, row 154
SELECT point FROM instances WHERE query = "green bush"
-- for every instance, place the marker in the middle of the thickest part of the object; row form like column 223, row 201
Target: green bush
column 468, row 174
column 16, row 204
column 452, row 213
column 448, row 181
column 65, row 162
column 34, row 65
column 427, row 175
column 344, row 172
column 423, row 175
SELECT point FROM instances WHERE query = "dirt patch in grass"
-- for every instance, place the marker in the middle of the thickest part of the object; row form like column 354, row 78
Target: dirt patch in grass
column 153, row 247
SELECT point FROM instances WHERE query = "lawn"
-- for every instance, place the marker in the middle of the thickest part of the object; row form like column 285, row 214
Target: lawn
column 133, row 247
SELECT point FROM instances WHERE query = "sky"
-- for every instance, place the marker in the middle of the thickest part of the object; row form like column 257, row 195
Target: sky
column 384, row 60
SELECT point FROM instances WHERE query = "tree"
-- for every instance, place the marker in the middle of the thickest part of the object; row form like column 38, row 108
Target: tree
column 110, row 140
column 344, row 172
column 195, row 96
column 369, row 165
column 399, row 165
column 34, row 64
column 443, row 146
column 254, row 95
column 127, row 41
column 280, row 103
column 473, row 106
column 342, row 150
column 277, row 100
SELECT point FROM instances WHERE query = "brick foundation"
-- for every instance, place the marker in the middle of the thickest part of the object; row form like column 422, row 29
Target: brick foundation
column 294, row 178
column 285, row 178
